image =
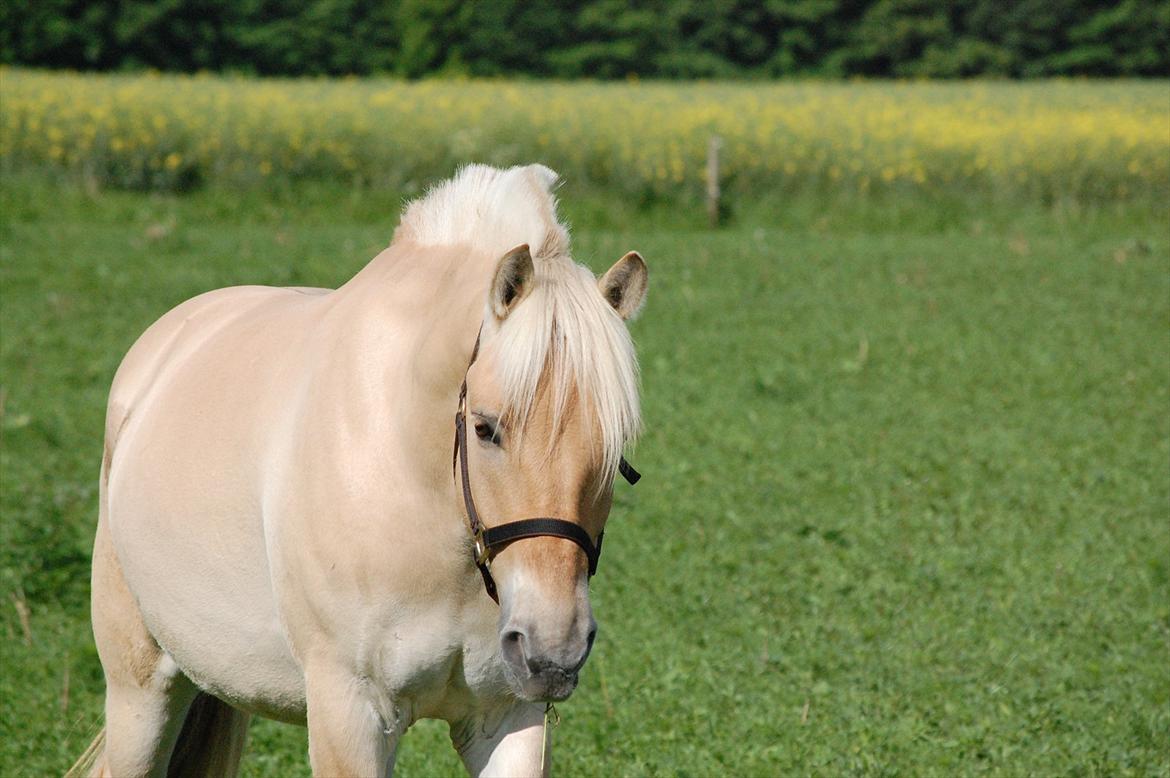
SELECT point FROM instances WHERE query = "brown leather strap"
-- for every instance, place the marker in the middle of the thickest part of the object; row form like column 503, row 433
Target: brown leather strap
column 495, row 538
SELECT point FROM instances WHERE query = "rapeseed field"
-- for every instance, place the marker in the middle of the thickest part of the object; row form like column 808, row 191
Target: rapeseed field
column 1049, row 140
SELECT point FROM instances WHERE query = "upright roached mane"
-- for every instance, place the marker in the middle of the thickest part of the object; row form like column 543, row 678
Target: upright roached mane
column 564, row 331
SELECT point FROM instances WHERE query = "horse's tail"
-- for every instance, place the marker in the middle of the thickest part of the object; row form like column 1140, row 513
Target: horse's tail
column 211, row 743
column 89, row 764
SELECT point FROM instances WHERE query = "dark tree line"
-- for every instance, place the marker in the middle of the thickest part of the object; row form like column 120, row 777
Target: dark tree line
column 595, row 38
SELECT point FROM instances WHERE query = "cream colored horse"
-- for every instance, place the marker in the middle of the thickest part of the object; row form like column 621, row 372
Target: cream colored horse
column 281, row 532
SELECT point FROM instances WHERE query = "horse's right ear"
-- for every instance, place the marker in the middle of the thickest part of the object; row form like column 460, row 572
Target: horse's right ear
column 512, row 281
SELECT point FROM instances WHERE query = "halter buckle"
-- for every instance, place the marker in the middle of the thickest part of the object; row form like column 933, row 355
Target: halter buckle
column 482, row 553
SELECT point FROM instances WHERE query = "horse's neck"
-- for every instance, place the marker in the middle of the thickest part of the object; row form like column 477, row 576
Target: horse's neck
column 408, row 322
column 387, row 356
column 429, row 299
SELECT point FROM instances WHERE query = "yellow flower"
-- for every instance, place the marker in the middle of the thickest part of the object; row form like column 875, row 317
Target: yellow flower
column 1081, row 137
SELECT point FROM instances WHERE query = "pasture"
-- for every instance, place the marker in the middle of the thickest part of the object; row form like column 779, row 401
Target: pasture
column 905, row 510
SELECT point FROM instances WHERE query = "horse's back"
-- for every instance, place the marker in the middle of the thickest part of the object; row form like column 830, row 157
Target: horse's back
column 185, row 327
column 192, row 413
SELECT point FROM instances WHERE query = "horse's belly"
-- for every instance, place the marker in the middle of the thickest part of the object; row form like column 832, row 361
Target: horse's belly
column 185, row 494
column 196, row 564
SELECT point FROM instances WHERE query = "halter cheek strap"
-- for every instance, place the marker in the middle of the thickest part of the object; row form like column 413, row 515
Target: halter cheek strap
column 489, row 541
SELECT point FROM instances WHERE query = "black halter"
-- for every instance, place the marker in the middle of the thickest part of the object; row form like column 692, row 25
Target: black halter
column 489, row 541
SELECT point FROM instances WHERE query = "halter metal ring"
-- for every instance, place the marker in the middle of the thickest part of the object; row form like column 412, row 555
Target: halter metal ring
column 482, row 553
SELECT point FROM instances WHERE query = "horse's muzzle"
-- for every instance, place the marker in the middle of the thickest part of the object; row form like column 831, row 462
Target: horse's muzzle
column 539, row 675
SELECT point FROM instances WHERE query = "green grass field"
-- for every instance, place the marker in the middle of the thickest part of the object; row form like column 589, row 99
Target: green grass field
column 906, row 506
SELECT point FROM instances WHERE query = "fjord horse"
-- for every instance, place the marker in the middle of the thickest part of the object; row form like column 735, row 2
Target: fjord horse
column 283, row 530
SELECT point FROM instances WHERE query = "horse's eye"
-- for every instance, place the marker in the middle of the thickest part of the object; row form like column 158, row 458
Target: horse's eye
column 487, row 432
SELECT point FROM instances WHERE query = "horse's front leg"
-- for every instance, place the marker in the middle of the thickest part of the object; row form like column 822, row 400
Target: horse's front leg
column 350, row 733
column 513, row 744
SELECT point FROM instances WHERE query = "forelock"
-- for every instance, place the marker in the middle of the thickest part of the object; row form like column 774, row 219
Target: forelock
column 564, row 339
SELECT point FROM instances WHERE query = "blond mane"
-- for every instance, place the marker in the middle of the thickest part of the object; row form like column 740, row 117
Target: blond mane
column 489, row 209
column 563, row 337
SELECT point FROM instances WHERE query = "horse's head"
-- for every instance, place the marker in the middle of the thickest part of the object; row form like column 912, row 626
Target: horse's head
column 551, row 400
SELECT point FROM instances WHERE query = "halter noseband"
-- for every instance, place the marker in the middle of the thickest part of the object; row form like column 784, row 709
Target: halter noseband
column 489, row 541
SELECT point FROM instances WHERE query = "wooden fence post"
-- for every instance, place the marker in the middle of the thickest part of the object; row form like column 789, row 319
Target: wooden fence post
column 713, row 180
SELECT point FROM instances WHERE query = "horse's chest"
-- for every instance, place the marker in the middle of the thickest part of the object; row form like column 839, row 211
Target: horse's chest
column 436, row 669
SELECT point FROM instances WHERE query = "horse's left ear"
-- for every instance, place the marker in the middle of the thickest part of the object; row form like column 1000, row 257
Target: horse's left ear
column 624, row 285
column 512, row 281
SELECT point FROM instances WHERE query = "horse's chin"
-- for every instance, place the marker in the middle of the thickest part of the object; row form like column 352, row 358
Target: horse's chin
column 550, row 686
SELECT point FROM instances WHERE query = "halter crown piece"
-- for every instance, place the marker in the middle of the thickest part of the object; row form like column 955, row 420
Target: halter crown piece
column 489, row 541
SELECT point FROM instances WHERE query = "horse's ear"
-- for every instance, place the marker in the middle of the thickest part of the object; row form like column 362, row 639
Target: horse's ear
column 512, row 281
column 624, row 285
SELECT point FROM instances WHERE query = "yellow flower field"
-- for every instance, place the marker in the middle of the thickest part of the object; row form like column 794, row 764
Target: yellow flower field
column 1093, row 141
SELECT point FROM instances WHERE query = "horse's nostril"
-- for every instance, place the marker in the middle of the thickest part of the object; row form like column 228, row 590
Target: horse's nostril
column 512, row 644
